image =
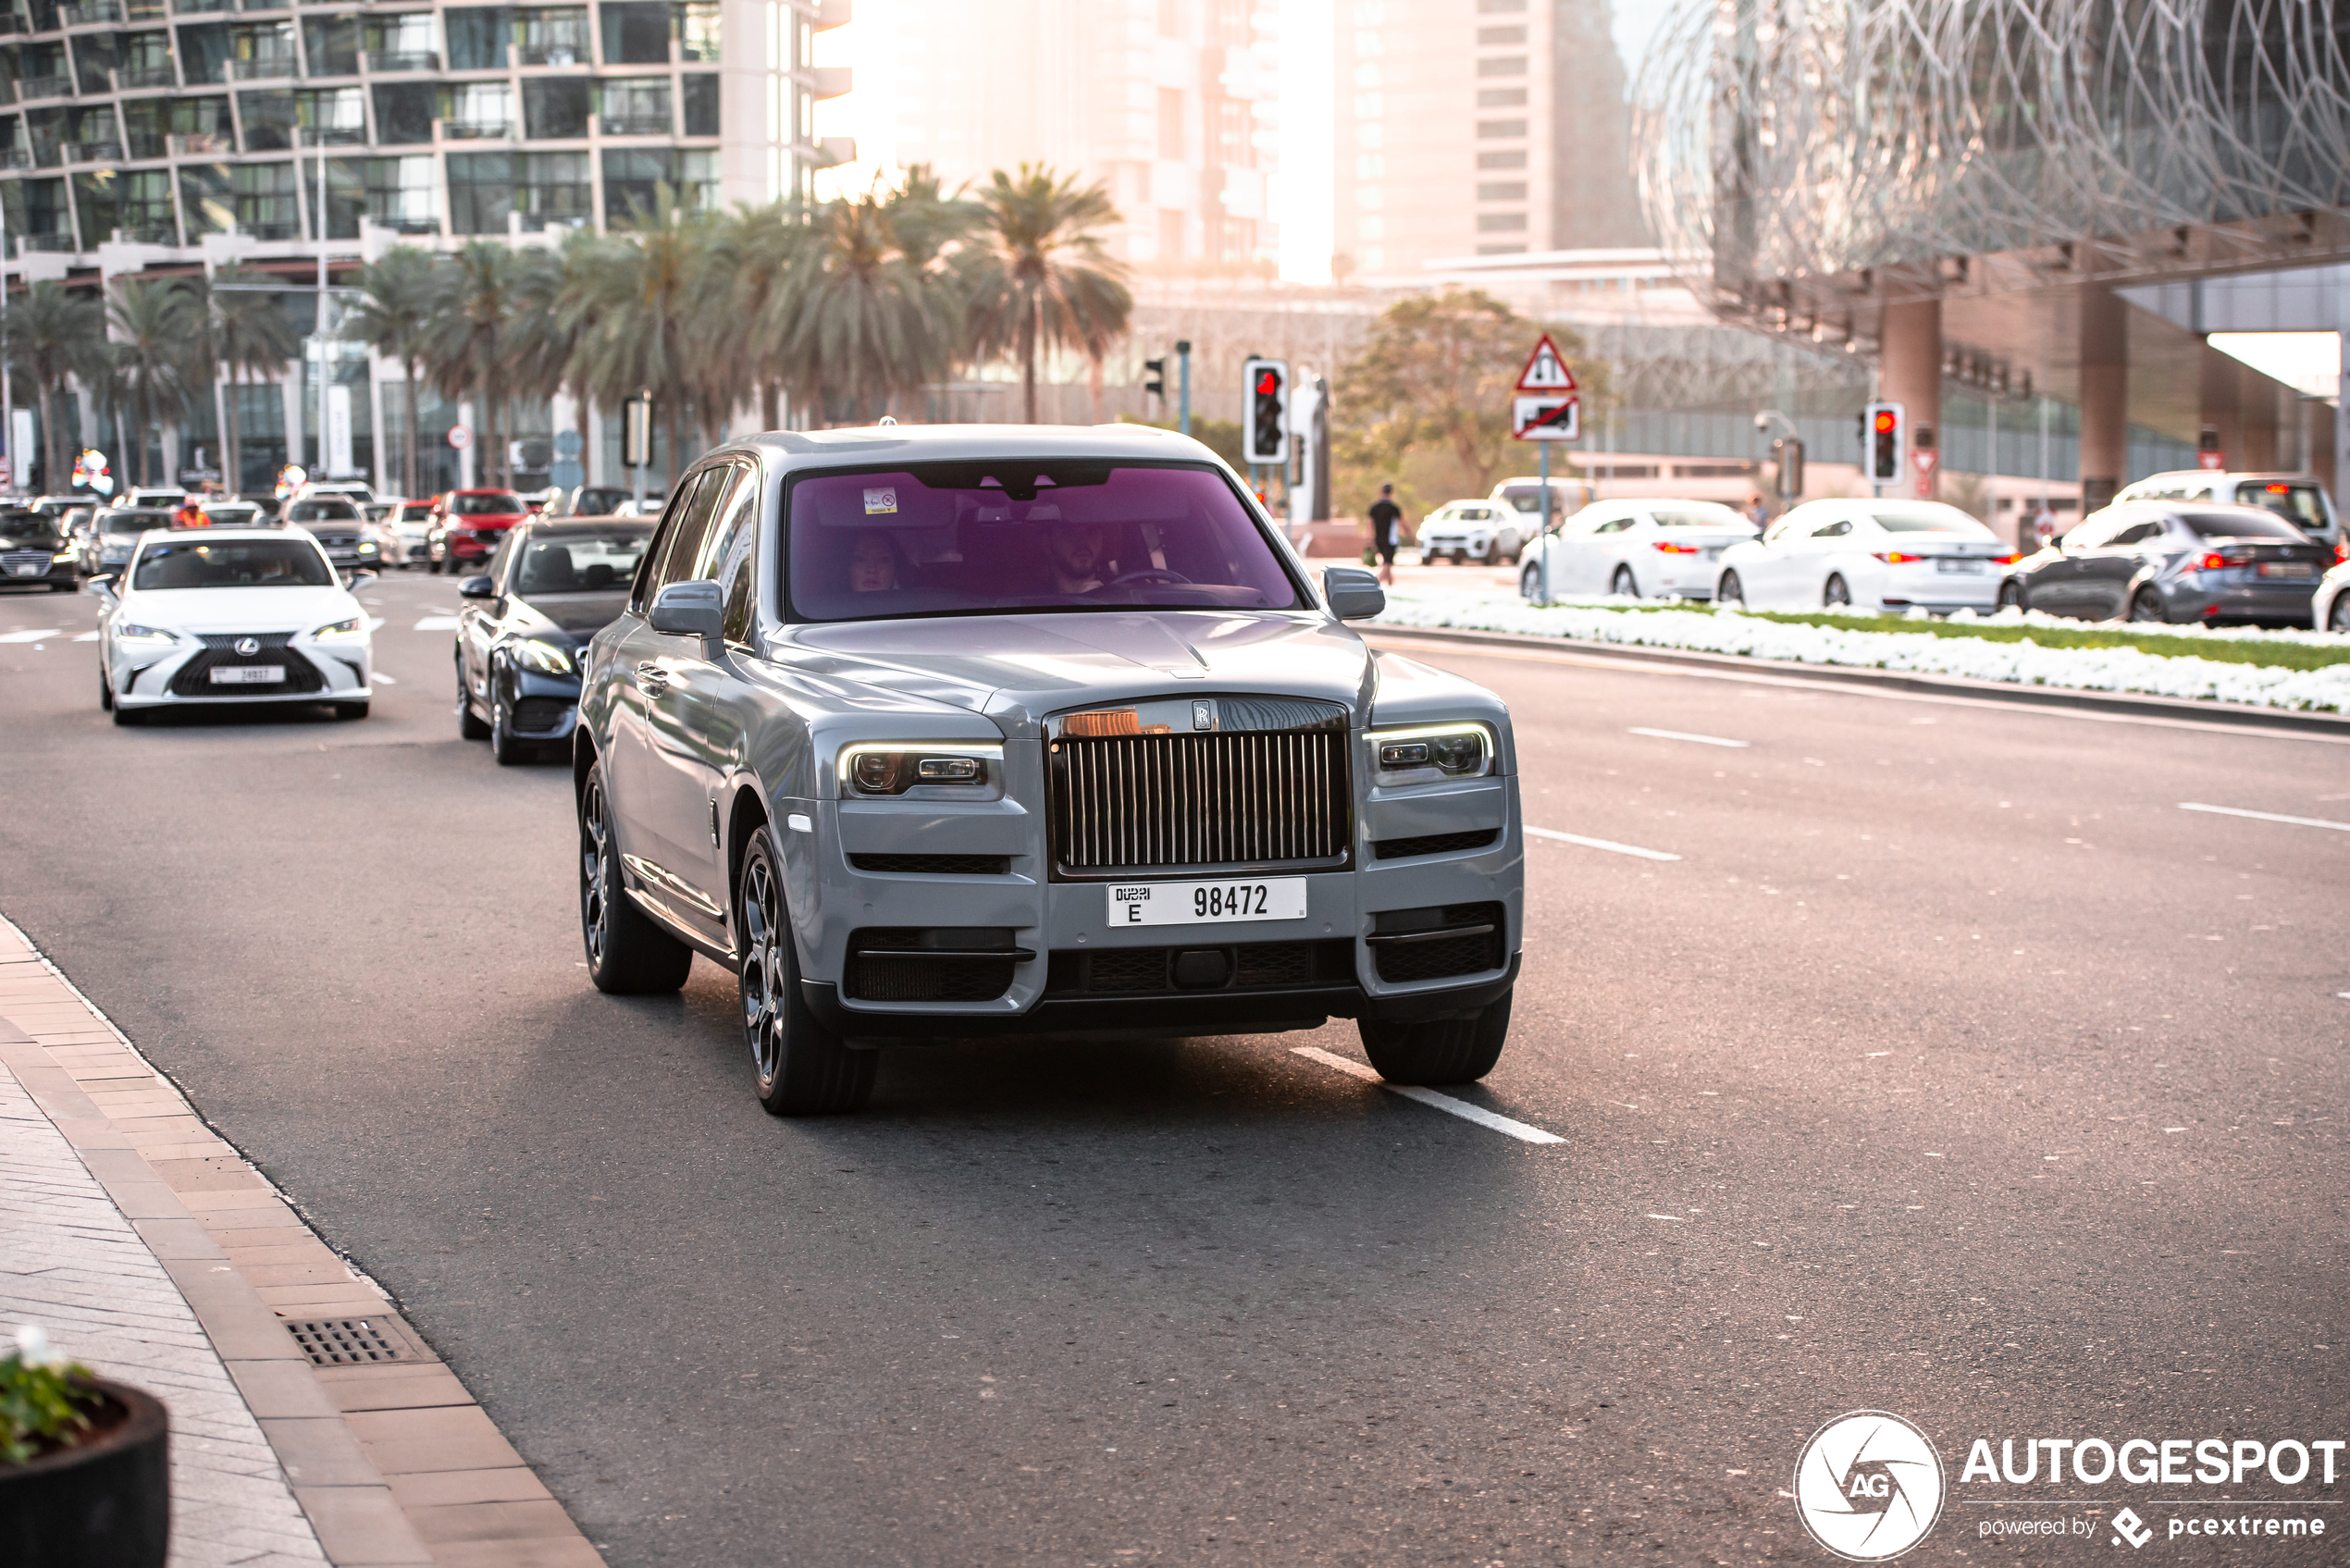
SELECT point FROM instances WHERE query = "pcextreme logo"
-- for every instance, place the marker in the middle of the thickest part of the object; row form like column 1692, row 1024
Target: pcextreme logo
column 1868, row 1486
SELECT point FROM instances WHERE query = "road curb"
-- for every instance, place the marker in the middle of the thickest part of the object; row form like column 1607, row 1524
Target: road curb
column 2331, row 725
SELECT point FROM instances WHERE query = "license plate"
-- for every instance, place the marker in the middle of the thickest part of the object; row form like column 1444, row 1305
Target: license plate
column 2287, row 569
column 247, row 674
column 1950, row 564
column 29, row 569
column 1206, row 903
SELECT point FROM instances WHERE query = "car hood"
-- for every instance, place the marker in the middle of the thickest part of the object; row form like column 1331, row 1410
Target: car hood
column 1016, row 669
column 579, row 615
column 237, row 609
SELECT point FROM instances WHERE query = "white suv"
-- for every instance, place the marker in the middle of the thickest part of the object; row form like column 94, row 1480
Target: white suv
column 1471, row 530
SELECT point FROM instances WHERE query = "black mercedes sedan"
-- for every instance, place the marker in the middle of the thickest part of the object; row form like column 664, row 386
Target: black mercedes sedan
column 33, row 552
column 550, row 586
column 2174, row 561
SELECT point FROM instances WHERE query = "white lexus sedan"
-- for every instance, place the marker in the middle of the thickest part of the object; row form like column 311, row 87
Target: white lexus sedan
column 1867, row 555
column 1636, row 549
column 210, row 615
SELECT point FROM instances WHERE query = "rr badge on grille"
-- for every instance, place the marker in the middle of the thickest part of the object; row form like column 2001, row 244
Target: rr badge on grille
column 248, row 647
column 1203, row 715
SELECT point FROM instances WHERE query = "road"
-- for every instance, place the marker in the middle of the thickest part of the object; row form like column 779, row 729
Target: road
column 1951, row 1069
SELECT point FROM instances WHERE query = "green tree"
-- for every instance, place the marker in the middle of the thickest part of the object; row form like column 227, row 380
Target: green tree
column 869, row 322
column 747, row 275
column 150, row 330
column 1041, row 279
column 394, row 316
column 52, row 334
column 466, row 347
column 240, row 330
column 634, row 298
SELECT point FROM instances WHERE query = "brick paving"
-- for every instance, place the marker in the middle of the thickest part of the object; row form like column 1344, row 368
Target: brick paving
column 151, row 1251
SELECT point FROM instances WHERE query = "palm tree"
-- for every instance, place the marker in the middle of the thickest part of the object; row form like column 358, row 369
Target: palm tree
column 241, row 330
column 635, row 301
column 394, row 317
column 150, row 333
column 1042, row 281
column 870, row 322
column 746, row 287
column 466, row 347
column 52, row 334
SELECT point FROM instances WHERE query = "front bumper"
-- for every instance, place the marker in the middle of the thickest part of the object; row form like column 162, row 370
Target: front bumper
column 1474, row 545
column 146, row 678
column 51, row 571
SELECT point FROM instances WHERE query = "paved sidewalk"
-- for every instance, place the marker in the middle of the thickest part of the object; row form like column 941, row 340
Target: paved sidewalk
column 151, row 1250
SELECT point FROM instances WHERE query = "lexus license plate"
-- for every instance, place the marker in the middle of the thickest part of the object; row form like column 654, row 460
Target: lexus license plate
column 248, row 675
column 1960, row 563
column 29, row 569
column 1206, row 903
column 2286, row 569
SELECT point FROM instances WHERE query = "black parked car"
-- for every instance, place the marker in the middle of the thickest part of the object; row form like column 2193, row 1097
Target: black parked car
column 2147, row 561
column 520, row 635
column 33, row 549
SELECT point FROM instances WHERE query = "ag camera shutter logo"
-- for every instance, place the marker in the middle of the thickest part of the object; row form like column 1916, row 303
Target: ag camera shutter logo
column 1869, row 1485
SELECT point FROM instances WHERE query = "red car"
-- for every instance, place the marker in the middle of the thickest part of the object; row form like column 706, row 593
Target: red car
column 467, row 525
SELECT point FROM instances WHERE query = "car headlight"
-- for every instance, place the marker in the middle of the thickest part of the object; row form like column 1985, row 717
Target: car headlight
column 62, row 555
column 1426, row 753
column 366, row 549
column 895, row 766
column 130, row 631
column 543, row 657
column 341, row 631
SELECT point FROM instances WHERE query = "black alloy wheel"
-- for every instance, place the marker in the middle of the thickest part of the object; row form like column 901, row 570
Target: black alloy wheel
column 2339, row 620
column 1836, row 596
column 2012, row 595
column 1439, row 1051
column 469, row 724
column 628, row 954
column 2147, row 606
column 1624, row 585
column 1730, row 591
column 800, row 1067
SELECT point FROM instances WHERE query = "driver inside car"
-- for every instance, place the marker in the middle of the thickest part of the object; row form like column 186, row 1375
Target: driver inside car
column 1074, row 551
column 872, row 565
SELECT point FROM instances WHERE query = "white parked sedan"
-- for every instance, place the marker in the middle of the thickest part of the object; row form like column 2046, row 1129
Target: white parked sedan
column 231, row 615
column 1868, row 555
column 2330, row 610
column 1637, row 548
column 1470, row 530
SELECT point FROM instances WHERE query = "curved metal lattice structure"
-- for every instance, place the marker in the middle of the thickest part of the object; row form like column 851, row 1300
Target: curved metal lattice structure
column 1807, row 139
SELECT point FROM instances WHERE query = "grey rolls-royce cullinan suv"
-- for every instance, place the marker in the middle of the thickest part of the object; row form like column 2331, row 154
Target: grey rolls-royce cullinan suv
column 938, row 734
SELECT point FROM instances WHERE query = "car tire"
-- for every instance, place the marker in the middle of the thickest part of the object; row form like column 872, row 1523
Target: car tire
column 351, row 710
column 106, row 693
column 2010, row 595
column 128, row 718
column 2146, row 605
column 469, row 726
column 1439, row 1051
column 1729, row 591
column 1835, row 595
column 629, row 953
column 1529, row 581
column 2339, row 620
column 1624, row 585
column 799, row 1067
column 508, row 751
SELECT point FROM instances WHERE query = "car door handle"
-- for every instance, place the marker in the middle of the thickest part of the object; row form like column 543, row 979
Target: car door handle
column 652, row 679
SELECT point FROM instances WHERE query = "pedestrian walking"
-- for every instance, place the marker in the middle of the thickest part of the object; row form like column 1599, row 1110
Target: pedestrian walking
column 1756, row 512
column 189, row 514
column 1387, row 524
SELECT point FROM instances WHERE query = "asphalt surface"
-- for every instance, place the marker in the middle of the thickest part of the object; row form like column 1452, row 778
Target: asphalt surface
column 1952, row 1070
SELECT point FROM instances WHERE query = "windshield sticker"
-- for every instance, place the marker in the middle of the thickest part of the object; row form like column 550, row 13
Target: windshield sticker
column 881, row 500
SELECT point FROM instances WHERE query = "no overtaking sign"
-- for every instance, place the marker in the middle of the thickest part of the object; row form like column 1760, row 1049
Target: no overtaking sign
column 1548, row 407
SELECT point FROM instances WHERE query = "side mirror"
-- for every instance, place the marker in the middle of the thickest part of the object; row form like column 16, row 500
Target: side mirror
column 102, row 583
column 360, row 580
column 476, row 587
column 1353, row 592
column 689, row 610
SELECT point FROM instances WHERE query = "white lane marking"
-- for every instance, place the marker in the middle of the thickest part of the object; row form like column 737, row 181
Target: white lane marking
column 1609, row 844
column 1461, row 1108
column 1701, row 740
column 28, row 636
column 87, row 637
column 437, row 624
column 2265, row 816
column 387, row 680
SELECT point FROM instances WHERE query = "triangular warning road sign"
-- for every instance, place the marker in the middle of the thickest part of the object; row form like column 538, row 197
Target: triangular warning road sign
column 1925, row 458
column 1546, row 370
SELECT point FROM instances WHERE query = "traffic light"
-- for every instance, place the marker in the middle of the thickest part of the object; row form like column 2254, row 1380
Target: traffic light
column 1156, row 370
column 1787, row 452
column 1881, row 435
column 1265, row 437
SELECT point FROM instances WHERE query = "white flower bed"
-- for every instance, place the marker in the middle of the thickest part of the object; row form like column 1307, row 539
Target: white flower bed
column 2023, row 664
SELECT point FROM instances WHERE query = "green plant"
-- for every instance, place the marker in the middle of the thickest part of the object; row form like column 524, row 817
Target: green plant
column 43, row 1405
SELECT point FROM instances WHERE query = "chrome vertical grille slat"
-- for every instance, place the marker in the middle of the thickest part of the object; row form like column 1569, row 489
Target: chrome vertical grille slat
column 1159, row 802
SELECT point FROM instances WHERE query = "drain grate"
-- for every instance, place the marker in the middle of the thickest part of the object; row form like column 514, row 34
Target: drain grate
column 349, row 1341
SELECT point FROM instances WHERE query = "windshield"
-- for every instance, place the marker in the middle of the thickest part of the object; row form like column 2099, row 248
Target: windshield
column 1528, row 497
column 598, row 500
column 488, row 504
column 1928, row 520
column 970, row 537
column 1713, row 517
column 233, row 563
column 2245, row 524
column 233, row 516
column 29, row 528
column 322, row 512
column 2297, row 503
column 416, row 511
column 598, row 562
column 134, row 522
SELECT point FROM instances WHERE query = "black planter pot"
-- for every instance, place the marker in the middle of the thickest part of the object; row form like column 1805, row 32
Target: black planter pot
column 104, row 1502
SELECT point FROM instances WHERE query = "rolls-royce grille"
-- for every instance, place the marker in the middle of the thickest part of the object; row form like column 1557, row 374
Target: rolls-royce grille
column 1158, row 801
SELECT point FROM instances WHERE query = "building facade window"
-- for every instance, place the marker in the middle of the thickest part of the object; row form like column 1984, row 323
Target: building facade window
column 204, row 53
column 146, row 61
column 698, row 34
column 330, row 46
column 636, row 31
column 556, row 188
column 404, row 193
column 404, row 112
column 634, row 105
column 478, row 110
column 1499, row 129
column 260, row 51
column 267, row 203
column 1499, row 97
column 477, row 37
column 554, row 35
column 1235, row 122
column 1170, row 124
column 1513, row 157
column 1500, row 223
column 1501, row 190
column 403, row 42
column 36, row 212
column 698, row 91
column 481, row 191
column 1501, row 65
column 556, row 108
column 1488, row 37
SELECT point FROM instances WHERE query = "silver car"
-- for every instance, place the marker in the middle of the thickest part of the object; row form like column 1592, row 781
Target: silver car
column 972, row 731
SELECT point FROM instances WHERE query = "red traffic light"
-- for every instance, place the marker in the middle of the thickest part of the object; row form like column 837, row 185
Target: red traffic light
column 1267, row 382
column 1885, row 422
